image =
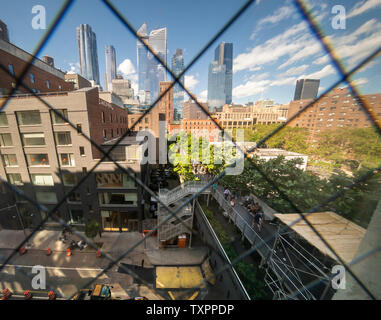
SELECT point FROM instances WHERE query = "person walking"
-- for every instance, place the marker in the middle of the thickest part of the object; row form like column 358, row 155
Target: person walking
column 227, row 193
column 258, row 219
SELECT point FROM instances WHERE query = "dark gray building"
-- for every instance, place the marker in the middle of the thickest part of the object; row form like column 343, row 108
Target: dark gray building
column 4, row 31
column 224, row 55
column 306, row 89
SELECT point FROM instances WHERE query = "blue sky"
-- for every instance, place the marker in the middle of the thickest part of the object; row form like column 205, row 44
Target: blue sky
column 272, row 44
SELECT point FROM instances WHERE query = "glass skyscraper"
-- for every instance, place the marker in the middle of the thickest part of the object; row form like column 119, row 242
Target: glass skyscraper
column 142, row 58
column 178, row 92
column 224, row 55
column 306, row 89
column 110, row 67
column 150, row 71
column 216, row 85
column 220, row 79
column 88, row 56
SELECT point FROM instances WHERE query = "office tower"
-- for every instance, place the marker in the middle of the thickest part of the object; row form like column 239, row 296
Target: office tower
column 142, row 58
column 4, row 35
column 156, row 71
column 88, row 56
column 306, row 89
column 216, row 85
column 224, row 55
column 178, row 93
column 110, row 67
column 48, row 60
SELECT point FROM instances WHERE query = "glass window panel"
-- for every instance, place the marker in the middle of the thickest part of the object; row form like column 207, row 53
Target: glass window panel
column 69, row 179
column 67, row 159
column 3, row 119
column 28, row 118
column 114, row 198
column 46, row 197
column 42, row 179
column 63, row 138
column 56, row 118
column 5, row 140
column 33, row 139
column 9, row 160
column 76, row 216
column 15, row 178
column 37, row 159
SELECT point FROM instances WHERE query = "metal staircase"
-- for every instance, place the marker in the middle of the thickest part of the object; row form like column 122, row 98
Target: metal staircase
column 175, row 198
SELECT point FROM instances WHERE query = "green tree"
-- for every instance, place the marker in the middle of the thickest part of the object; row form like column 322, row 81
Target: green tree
column 92, row 229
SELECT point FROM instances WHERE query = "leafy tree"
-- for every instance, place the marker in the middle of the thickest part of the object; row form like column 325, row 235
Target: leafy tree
column 92, row 229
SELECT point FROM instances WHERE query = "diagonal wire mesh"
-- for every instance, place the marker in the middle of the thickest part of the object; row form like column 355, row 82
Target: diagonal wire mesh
column 344, row 77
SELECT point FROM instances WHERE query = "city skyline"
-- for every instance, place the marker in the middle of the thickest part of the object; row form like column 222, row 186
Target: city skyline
column 270, row 54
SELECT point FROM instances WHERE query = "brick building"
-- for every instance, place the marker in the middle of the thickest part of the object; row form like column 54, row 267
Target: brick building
column 45, row 157
column 335, row 110
column 41, row 77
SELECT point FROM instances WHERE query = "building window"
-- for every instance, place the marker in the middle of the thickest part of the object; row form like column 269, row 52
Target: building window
column 37, row 160
column 9, row 160
column 56, row 117
column 103, row 117
column 67, row 160
column 31, row 76
column 82, row 151
column 3, row 119
column 69, row 179
column 104, row 134
column 74, row 197
column 47, row 197
column 15, row 179
column 42, row 179
column 11, row 70
column 33, row 139
column 79, row 128
column 48, row 84
column 112, row 133
column 114, row 198
column 84, row 170
column 115, row 180
column 28, row 118
column 62, row 138
column 76, row 216
column 111, row 118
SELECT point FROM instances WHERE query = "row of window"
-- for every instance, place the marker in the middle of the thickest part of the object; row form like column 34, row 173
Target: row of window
column 37, row 160
column 33, row 117
column 62, row 138
column 113, row 118
column 32, row 78
column 103, row 180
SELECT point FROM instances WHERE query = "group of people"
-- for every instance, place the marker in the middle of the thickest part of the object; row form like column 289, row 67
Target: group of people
column 254, row 208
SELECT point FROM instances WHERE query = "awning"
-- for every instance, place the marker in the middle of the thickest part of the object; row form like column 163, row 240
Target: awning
column 341, row 234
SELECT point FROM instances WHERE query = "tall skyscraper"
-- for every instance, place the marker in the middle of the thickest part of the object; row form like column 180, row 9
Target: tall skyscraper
column 4, row 35
column 178, row 92
column 88, row 56
column 150, row 71
column 220, row 78
column 224, row 55
column 216, row 85
column 306, row 89
column 142, row 58
column 110, row 67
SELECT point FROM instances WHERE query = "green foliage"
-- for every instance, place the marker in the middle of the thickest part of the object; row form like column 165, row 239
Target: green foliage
column 305, row 189
column 92, row 229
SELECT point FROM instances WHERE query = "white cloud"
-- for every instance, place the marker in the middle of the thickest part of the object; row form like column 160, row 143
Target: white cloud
column 296, row 70
column 280, row 14
column 322, row 60
column 285, row 44
column 326, row 71
column 190, row 82
column 360, row 81
column 74, row 68
column 363, row 6
column 127, row 68
column 203, row 96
